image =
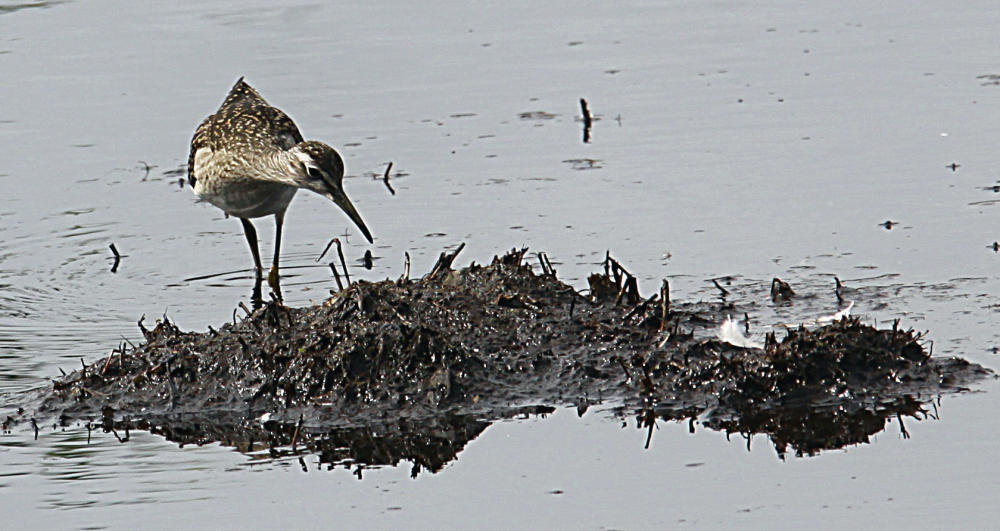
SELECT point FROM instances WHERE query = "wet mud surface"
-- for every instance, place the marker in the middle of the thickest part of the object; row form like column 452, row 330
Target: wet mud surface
column 413, row 369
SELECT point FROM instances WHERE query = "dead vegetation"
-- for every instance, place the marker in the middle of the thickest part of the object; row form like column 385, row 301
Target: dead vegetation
column 458, row 348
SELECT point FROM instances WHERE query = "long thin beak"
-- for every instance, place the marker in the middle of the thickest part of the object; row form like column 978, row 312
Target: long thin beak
column 338, row 196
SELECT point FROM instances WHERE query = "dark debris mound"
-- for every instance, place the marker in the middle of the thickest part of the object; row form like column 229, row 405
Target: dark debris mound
column 475, row 343
column 476, row 339
column 815, row 389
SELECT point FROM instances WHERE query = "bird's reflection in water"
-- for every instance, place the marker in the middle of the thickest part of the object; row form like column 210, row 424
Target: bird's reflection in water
column 256, row 297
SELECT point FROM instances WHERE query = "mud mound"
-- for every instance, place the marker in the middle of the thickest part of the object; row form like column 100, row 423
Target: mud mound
column 458, row 348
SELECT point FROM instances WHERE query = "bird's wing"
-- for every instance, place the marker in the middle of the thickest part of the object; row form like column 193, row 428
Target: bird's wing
column 245, row 121
column 245, row 113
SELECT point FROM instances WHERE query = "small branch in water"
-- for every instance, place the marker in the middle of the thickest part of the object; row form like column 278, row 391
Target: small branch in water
column 333, row 267
column 547, row 269
column 343, row 263
column 385, row 179
column 837, row 290
column 586, row 120
column 118, row 258
column 124, row 439
column 325, row 249
column 368, row 260
column 147, row 167
column 781, row 290
column 721, row 289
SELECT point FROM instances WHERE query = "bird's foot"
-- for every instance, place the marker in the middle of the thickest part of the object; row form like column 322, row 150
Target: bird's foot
column 274, row 281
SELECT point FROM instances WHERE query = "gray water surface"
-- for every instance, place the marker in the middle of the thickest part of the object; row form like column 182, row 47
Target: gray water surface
column 733, row 139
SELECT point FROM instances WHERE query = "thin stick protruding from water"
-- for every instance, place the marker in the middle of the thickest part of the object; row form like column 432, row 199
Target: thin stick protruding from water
column 385, row 179
column 343, row 263
column 336, row 275
column 325, row 249
column 723, row 291
column 543, row 259
column 118, row 258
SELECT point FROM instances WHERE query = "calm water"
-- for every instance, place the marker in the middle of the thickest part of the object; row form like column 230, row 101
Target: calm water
column 752, row 141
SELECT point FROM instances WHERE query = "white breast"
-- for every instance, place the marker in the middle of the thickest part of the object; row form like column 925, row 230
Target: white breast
column 203, row 161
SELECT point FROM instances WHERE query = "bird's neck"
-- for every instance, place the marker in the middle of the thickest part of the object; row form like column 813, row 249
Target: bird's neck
column 282, row 166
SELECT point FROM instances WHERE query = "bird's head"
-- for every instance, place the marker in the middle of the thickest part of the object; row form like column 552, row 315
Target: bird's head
column 323, row 172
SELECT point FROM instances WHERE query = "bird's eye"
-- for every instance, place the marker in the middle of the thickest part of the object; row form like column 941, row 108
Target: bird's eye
column 315, row 174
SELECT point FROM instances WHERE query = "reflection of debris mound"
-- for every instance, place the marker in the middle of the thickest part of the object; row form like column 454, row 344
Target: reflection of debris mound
column 428, row 444
column 472, row 343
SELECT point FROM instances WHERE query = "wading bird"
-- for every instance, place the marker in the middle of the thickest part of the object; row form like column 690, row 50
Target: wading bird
column 249, row 159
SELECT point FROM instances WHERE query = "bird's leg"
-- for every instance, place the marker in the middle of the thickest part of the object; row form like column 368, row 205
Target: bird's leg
column 255, row 299
column 251, row 235
column 272, row 277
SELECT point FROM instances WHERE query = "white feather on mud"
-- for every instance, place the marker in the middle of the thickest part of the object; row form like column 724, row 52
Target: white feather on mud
column 730, row 332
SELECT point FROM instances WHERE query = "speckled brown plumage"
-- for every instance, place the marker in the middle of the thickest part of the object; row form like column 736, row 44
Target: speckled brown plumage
column 244, row 121
column 249, row 159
